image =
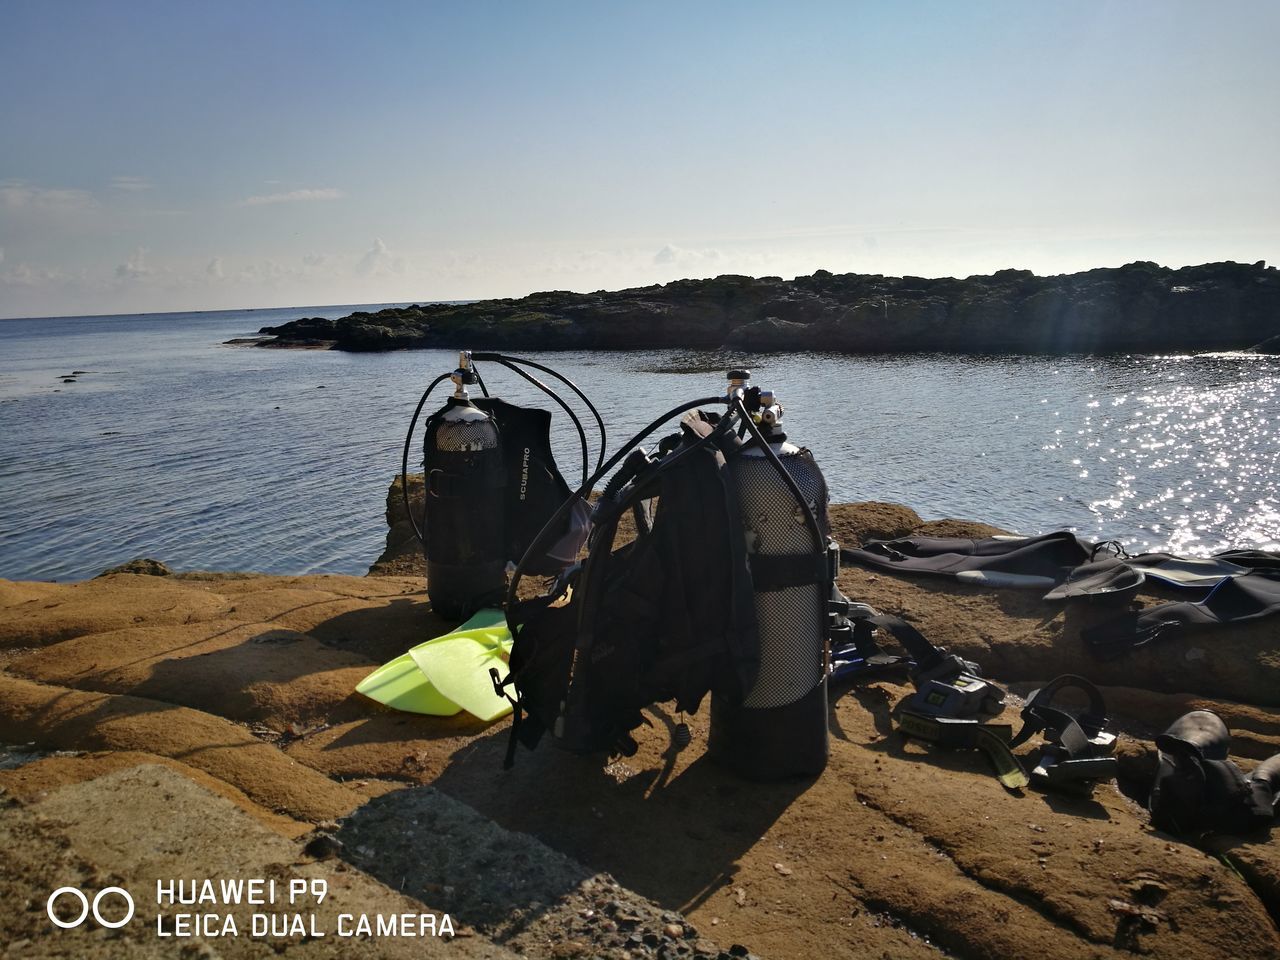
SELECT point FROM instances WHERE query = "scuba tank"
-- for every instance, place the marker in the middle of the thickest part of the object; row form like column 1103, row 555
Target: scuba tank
column 464, row 476
column 779, row 729
column 491, row 483
column 710, row 596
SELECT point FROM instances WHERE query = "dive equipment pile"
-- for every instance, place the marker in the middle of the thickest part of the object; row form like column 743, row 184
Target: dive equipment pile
column 952, row 705
column 728, row 589
column 1230, row 587
column 704, row 600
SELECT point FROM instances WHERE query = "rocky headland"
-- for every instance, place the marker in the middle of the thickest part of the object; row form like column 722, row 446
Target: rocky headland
column 1139, row 307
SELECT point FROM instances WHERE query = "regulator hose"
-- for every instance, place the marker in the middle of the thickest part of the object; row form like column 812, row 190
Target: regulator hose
column 404, row 459
column 510, row 363
column 563, row 379
column 552, row 526
column 582, row 434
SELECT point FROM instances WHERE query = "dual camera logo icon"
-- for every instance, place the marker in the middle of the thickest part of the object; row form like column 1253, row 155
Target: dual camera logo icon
column 86, row 908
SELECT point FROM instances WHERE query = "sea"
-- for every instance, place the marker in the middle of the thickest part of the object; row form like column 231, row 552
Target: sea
column 172, row 445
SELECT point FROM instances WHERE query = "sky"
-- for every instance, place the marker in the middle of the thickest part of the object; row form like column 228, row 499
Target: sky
column 193, row 156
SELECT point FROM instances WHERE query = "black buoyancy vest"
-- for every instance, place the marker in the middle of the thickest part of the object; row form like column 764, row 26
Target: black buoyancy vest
column 532, row 488
column 668, row 616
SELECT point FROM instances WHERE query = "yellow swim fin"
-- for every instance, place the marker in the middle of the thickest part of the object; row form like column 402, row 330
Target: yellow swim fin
column 458, row 665
column 400, row 684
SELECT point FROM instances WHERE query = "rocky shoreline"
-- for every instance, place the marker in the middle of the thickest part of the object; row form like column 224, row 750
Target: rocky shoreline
column 159, row 714
column 1139, row 307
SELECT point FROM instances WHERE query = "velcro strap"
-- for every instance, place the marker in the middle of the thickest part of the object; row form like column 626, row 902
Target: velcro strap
column 786, row 570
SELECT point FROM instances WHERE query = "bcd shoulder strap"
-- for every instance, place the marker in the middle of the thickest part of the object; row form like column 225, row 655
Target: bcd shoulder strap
column 534, row 488
column 668, row 616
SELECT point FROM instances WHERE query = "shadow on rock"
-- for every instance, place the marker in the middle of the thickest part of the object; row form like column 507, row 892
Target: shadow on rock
column 616, row 816
column 382, row 633
column 507, row 885
column 432, row 847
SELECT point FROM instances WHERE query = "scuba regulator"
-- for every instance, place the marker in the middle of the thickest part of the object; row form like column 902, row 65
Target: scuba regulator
column 582, row 671
column 490, row 484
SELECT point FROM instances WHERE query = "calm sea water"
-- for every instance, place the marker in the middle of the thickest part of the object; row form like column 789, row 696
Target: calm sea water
column 173, row 446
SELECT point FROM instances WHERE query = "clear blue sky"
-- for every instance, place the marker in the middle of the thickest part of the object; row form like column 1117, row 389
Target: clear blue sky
column 183, row 155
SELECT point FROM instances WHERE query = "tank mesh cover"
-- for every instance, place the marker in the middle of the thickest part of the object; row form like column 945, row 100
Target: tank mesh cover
column 460, row 436
column 792, row 629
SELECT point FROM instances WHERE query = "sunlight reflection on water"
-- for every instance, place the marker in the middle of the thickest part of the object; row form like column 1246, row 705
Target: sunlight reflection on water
column 213, row 457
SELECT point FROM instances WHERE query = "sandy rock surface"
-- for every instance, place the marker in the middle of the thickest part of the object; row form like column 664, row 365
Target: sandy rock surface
column 147, row 824
column 207, row 707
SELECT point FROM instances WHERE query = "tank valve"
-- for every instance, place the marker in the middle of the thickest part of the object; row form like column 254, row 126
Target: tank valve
column 463, row 376
column 738, row 380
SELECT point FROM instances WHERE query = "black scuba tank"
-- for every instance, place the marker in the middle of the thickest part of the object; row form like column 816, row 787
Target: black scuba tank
column 779, row 729
column 464, row 476
column 492, row 485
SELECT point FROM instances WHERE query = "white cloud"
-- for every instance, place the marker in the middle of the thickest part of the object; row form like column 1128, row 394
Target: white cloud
column 671, row 255
column 293, row 196
column 379, row 262
column 20, row 195
column 130, row 184
column 25, row 275
column 135, row 268
column 1, row 254
column 20, row 275
column 265, row 271
column 214, row 269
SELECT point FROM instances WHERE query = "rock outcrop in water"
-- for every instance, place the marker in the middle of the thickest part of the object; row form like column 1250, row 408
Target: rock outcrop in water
column 1140, row 307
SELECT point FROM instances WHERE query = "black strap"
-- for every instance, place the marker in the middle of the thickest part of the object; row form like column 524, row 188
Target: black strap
column 1074, row 732
column 924, row 653
column 500, row 688
column 1112, row 639
column 783, row 571
column 446, row 485
column 1075, row 754
column 990, row 738
column 513, row 738
column 864, row 639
